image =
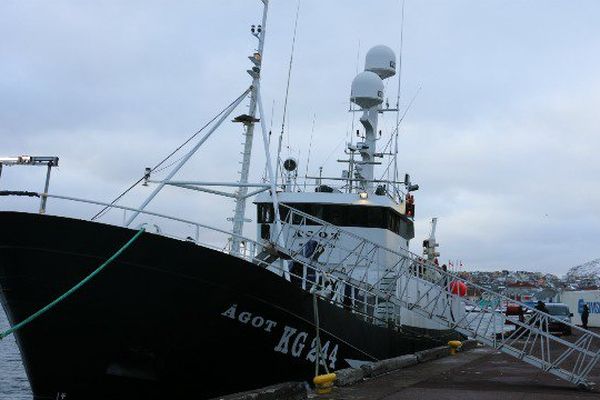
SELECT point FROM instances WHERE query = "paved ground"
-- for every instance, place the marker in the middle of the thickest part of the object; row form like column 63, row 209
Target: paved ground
column 478, row 374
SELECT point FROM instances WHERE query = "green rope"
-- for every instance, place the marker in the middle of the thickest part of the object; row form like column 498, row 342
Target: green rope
column 73, row 289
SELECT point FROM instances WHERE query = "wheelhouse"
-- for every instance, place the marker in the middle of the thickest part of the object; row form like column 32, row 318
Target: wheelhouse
column 346, row 215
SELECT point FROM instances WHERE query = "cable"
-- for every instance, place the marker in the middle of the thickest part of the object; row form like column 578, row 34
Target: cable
column 400, row 56
column 396, row 132
column 351, row 141
column 105, row 209
column 332, row 152
column 309, row 149
column 287, row 91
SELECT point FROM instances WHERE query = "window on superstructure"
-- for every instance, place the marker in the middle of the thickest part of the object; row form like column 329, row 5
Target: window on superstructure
column 265, row 213
column 343, row 215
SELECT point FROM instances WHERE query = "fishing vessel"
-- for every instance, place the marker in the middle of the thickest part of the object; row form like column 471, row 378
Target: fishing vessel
column 314, row 291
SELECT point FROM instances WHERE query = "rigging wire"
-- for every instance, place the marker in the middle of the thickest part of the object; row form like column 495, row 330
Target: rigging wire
column 350, row 101
column 287, row 91
column 398, row 120
column 332, row 152
column 264, row 175
column 272, row 119
column 312, row 131
column 412, row 100
column 105, row 209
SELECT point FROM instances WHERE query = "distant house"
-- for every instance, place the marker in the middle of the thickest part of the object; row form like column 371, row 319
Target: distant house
column 547, row 295
column 522, row 291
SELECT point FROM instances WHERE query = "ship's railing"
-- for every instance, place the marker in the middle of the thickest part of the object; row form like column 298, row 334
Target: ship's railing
column 249, row 249
column 346, row 252
column 394, row 190
column 335, row 286
column 532, row 341
column 338, row 288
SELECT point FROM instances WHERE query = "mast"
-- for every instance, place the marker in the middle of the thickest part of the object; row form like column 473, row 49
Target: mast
column 249, row 122
column 369, row 121
column 367, row 93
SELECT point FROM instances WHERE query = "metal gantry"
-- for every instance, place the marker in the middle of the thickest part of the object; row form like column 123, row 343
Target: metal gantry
column 531, row 341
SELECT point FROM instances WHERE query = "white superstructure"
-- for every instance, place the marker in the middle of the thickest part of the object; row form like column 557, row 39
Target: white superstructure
column 377, row 210
column 373, row 209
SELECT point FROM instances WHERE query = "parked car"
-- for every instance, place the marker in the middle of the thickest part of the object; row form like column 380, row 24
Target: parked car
column 562, row 312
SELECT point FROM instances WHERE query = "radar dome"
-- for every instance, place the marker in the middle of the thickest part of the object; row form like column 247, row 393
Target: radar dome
column 381, row 60
column 367, row 90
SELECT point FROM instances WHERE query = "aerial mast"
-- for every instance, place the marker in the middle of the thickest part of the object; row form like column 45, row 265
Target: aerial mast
column 367, row 93
column 249, row 121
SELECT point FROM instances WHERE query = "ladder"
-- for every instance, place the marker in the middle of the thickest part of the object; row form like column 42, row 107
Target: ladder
column 531, row 342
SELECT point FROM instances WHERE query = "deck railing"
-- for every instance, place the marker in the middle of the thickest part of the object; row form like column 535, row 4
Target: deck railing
column 331, row 276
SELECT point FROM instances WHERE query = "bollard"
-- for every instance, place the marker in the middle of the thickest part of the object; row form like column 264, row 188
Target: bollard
column 454, row 345
column 324, row 383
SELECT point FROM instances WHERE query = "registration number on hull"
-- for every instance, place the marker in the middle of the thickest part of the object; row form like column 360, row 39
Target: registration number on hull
column 292, row 341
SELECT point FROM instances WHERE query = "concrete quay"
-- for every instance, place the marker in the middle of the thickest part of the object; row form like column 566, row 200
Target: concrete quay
column 475, row 373
column 479, row 374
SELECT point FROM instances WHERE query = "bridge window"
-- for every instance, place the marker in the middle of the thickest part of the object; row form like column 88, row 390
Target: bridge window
column 343, row 215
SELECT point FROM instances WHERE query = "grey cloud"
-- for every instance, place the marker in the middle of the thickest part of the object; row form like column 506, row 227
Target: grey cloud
column 503, row 133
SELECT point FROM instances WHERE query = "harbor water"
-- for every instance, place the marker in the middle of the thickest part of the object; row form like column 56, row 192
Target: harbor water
column 13, row 381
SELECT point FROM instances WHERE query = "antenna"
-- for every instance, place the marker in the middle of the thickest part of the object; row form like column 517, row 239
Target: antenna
column 400, row 56
column 350, row 101
column 287, row 91
column 310, row 148
column 264, row 177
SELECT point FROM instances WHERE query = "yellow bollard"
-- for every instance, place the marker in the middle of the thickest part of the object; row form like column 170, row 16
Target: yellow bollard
column 324, row 383
column 454, row 345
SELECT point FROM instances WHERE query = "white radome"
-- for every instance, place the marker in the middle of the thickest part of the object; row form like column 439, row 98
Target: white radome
column 381, row 60
column 367, row 90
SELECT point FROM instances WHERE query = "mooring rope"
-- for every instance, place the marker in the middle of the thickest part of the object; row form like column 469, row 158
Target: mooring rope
column 73, row 289
column 319, row 349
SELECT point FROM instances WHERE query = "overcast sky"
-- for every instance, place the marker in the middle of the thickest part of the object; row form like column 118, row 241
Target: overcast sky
column 502, row 138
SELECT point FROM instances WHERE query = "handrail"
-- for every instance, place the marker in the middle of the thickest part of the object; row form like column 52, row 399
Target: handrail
column 434, row 300
column 414, row 257
column 358, row 285
column 406, row 253
column 529, row 342
column 154, row 214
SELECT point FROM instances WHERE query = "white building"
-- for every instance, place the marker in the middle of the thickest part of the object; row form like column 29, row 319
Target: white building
column 576, row 299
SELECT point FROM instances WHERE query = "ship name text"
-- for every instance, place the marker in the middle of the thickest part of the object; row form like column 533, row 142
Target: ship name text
column 292, row 341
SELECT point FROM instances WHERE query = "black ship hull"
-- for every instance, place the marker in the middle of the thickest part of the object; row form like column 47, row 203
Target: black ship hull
column 168, row 319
